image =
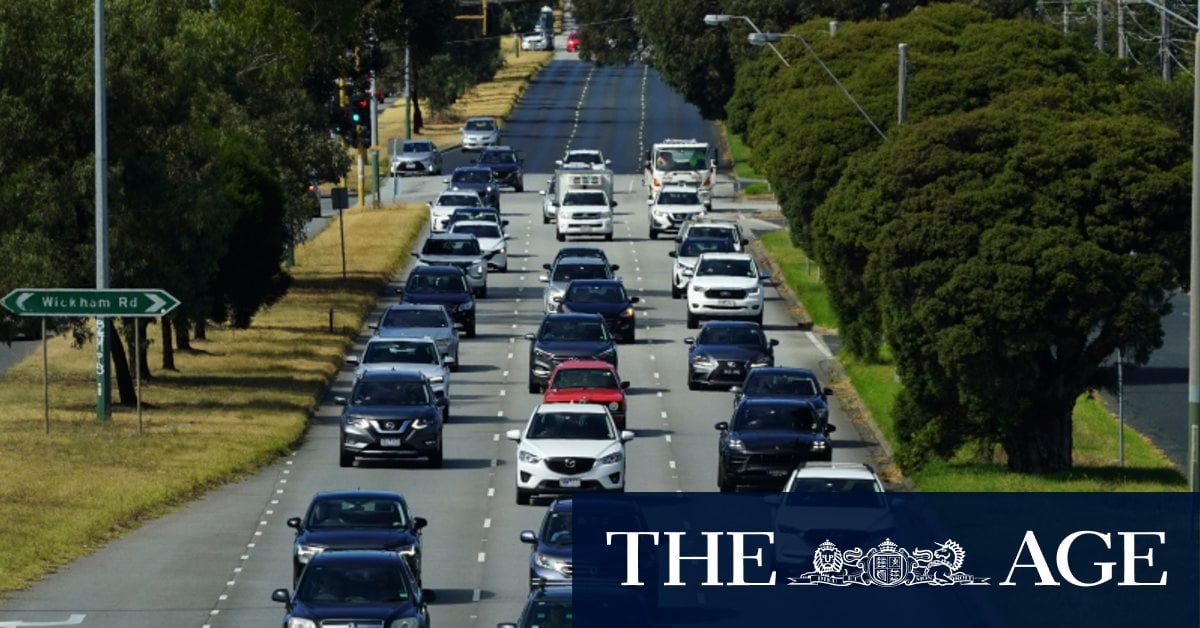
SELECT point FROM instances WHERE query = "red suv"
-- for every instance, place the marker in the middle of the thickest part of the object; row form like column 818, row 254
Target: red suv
column 573, row 42
column 588, row 381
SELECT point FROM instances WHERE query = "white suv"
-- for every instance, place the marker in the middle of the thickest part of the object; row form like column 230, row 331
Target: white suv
column 585, row 213
column 838, row 503
column 831, row 477
column 724, row 285
column 569, row 447
column 672, row 207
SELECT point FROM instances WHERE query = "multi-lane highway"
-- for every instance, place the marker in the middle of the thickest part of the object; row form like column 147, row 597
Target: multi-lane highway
column 216, row 561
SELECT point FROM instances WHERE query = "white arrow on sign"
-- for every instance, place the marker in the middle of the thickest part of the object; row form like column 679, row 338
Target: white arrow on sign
column 155, row 303
column 22, row 299
column 73, row 620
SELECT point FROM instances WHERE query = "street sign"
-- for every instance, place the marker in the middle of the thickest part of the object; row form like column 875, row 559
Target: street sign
column 89, row 302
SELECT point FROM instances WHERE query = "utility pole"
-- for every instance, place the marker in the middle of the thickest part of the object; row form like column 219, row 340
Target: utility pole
column 1100, row 25
column 407, row 91
column 1194, row 295
column 902, row 104
column 833, row 26
column 1164, row 44
column 1121, row 52
column 375, row 140
column 103, row 383
column 1066, row 17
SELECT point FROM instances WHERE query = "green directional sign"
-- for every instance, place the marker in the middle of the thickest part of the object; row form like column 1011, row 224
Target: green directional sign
column 84, row 302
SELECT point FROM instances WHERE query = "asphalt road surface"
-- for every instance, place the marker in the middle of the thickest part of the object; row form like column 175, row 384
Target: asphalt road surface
column 216, row 561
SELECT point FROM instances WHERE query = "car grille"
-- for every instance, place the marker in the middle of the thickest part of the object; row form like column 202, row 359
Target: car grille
column 390, row 425
column 680, row 218
column 410, row 166
column 731, row 370
column 570, row 466
column 567, row 568
column 745, row 461
column 351, row 623
column 725, row 294
column 587, row 216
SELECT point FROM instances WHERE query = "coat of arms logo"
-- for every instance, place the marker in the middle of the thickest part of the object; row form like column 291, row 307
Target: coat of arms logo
column 888, row 565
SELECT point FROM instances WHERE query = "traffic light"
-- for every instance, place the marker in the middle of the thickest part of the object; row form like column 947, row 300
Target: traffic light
column 360, row 115
column 340, row 123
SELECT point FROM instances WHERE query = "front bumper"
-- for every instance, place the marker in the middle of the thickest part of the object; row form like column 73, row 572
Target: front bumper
column 678, row 279
column 669, row 223
column 590, row 226
column 539, row 478
column 549, row 212
column 475, row 143
column 725, row 373
column 373, row 443
column 539, row 575
column 499, row 260
column 744, row 469
column 401, row 168
column 700, row 305
column 510, row 179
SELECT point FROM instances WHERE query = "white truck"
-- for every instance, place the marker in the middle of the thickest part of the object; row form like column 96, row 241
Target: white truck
column 584, row 202
column 681, row 162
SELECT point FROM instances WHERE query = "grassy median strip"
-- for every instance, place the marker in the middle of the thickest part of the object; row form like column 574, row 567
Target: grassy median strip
column 1095, row 428
column 238, row 401
column 740, row 153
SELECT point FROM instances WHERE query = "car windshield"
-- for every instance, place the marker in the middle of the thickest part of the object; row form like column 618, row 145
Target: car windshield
column 711, row 231
column 693, row 248
column 584, row 378
column 548, row 614
column 475, row 214
column 836, row 493
column 596, row 293
column 570, row 426
column 740, row 335
column 498, row 157
column 726, row 268
column 459, row 200
column 400, row 351
column 481, row 125
column 451, row 246
column 567, row 272
column 678, row 198
column 417, row 147
column 776, row 417
column 580, row 252
column 428, row 282
column 573, row 330
column 585, row 198
column 583, row 158
column 780, row 384
column 557, row 529
column 672, row 159
column 414, row 318
column 333, row 514
column 472, row 176
column 353, row 584
column 479, row 231
column 370, row 393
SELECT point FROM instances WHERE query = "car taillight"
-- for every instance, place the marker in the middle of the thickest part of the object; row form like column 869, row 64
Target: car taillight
column 657, row 182
column 706, row 182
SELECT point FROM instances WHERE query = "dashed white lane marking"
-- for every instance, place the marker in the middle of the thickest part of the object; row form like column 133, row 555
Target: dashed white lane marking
column 487, row 523
column 664, row 414
column 659, row 394
column 652, row 357
column 492, row 491
column 656, row 376
column 502, row 392
column 223, row 597
column 475, row 595
column 499, row 413
column 819, row 344
column 495, row 438
column 506, row 373
column 510, row 356
column 671, row 463
column 668, row 437
column 482, row 556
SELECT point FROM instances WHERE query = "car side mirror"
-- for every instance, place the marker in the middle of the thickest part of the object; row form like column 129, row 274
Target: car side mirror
column 341, row 401
column 612, row 204
column 745, row 242
column 722, row 426
column 672, row 254
column 829, row 429
column 449, row 360
column 543, row 278
column 625, row 385
column 446, row 181
column 687, row 272
column 774, row 342
column 400, row 291
column 615, row 267
column 635, row 299
column 527, row 536
column 514, row 435
column 419, row 522
column 556, row 299
column 826, row 391
column 546, row 266
column 503, row 223
column 282, row 596
column 626, row 436
column 689, row 340
column 294, row 523
column 352, row 359
column 530, row 336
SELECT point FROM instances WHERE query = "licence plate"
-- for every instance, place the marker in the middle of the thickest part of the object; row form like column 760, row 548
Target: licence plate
column 389, row 442
column 777, row 473
column 570, row 483
column 726, row 302
column 410, row 166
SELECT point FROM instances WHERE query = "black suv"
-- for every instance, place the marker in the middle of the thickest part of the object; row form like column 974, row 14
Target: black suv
column 784, row 382
column 442, row 285
column 725, row 351
column 341, row 520
column 392, row 415
column 563, row 337
column 766, row 439
column 476, row 179
column 356, row 588
column 545, row 608
column 506, row 166
column 606, row 297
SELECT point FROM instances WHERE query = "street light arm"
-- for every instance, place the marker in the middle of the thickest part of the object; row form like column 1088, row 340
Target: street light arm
column 769, row 44
column 718, row 19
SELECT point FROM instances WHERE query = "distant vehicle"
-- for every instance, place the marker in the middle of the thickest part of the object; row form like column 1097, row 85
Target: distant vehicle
column 461, row 250
column 766, row 439
column 446, row 286
column 545, row 608
column 563, row 337
column 725, row 285
column 568, row 447
column 784, row 382
column 480, row 132
column 582, row 251
column 373, row 520
column 492, row 240
column 567, row 269
column 444, row 205
column 572, row 42
column 537, row 40
column 391, row 415
column 588, row 381
column 725, row 351
column 701, row 227
column 606, row 297
column 685, row 260
column 550, row 557
column 414, row 320
column 549, row 201
column 360, row 588
column 673, row 206
column 417, row 157
column 587, row 157
column 415, row 355
column 486, row 214
column 477, row 179
column 506, row 165
column 681, row 162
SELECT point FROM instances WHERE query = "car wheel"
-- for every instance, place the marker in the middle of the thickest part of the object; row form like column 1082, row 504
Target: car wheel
column 608, row 237
column 471, row 331
column 534, row 388
column 520, row 187
column 483, row 292
column 545, row 219
column 723, row 483
column 435, row 461
column 454, row 367
column 503, row 269
column 692, row 385
column 692, row 321
column 631, row 337
column 446, row 413
column 345, row 459
column 676, row 293
column 653, row 234
column 561, row 237
column 523, row 497
column 759, row 319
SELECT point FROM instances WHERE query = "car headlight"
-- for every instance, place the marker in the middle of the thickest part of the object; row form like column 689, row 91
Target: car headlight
column 607, row 353
column 528, row 458
column 628, row 312
column 760, row 362
column 735, row 444
column 420, row 424
column 614, row 406
column 541, row 353
column 466, row 307
column 612, row 458
column 358, row 421
column 304, row 553
column 753, row 292
column 696, row 288
column 406, row 550
column 406, row 622
column 437, row 379
column 300, row 622
column 820, row 445
column 549, row 563
column 476, row 270
column 705, row 362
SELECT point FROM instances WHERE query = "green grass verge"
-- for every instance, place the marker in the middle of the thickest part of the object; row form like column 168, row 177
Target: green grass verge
column 801, row 277
column 237, row 402
column 1095, row 428
column 740, row 154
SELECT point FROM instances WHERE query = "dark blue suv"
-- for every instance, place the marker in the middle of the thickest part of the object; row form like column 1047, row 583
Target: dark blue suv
column 606, row 297
column 340, row 520
column 442, row 285
column 550, row 560
column 784, row 382
column 766, row 439
column 563, row 337
column 363, row 588
column 391, row 415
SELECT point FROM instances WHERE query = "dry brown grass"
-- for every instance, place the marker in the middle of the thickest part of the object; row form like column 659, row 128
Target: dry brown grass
column 236, row 403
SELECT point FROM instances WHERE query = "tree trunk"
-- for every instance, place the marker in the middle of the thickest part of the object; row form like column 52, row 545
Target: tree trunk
column 201, row 331
column 144, row 349
column 168, row 344
column 418, row 121
column 1042, row 443
column 182, row 341
column 126, row 395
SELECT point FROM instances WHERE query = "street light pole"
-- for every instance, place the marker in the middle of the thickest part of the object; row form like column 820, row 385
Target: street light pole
column 1194, row 296
column 103, row 385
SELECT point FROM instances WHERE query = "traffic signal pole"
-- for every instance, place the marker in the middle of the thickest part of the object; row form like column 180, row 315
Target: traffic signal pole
column 103, row 382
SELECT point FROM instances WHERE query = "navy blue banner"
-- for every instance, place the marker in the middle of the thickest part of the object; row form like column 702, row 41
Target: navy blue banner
column 897, row 559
